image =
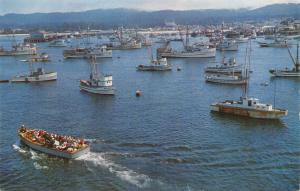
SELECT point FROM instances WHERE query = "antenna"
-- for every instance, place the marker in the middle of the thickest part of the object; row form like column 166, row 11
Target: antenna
column 274, row 101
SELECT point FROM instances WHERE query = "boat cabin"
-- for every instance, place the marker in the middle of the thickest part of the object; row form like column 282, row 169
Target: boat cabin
column 253, row 102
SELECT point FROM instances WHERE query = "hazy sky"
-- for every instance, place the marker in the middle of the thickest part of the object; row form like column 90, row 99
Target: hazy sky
column 30, row 6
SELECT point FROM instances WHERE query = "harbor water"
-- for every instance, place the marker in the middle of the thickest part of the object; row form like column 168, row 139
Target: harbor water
column 166, row 139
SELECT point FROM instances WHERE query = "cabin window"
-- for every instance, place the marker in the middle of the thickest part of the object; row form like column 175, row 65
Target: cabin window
column 249, row 103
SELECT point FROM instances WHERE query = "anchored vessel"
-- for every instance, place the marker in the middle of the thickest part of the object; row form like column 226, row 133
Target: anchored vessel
column 276, row 44
column 247, row 106
column 99, row 52
column 58, row 43
column 294, row 72
column 190, row 51
column 226, row 67
column 53, row 144
column 19, row 49
column 156, row 65
column 226, row 79
column 98, row 83
column 228, row 45
column 43, row 57
column 38, row 75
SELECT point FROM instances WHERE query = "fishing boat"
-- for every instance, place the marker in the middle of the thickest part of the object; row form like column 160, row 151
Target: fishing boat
column 58, row 43
column 250, row 107
column 77, row 52
column 226, row 79
column 226, row 67
column 36, row 75
column 98, row 83
column 19, row 49
column 294, row 72
column 190, row 51
column 53, row 144
column 99, row 52
column 156, row 65
column 43, row 57
column 247, row 106
column 228, row 45
column 125, row 45
column 275, row 44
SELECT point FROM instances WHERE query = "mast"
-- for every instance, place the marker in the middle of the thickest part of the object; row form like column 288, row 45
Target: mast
column 94, row 71
column 246, row 68
column 187, row 36
column 295, row 61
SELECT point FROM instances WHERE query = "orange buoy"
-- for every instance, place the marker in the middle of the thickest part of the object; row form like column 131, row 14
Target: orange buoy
column 138, row 93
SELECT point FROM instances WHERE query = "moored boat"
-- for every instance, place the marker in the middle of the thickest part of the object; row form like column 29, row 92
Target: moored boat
column 156, row 65
column 294, row 72
column 38, row 75
column 98, row 83
column 226, row 79
column 53, row 144
column 249, row 107
column 226, row 67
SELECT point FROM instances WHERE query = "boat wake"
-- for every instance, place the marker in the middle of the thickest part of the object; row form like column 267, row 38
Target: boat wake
column 124, row 173
column 18, row 148
column 38, row 166
column 34, row 156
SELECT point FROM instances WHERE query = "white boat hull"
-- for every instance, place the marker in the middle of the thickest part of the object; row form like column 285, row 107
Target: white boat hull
column 41, row 78
column 279, row 73
column 98, row 90
column 195, row 54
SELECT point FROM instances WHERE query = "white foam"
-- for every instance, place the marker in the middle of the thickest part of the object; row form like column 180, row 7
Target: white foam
column 124, row 173
column 91, row 140
column 18, row 148
column 38, row 166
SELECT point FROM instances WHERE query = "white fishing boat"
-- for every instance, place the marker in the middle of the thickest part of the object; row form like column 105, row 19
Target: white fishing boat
column 226, row 67
column 204, row 51
column 226, row 79
column 156, row 65
column 189, row 51
column 100, row 52
column 38, row 75
column 19, row 49
column 247, row 106
column 58, row 43
column 43, row 57
column 275, row 44
column 98, row 83
column 126, row 45
column 228, row 45
column 287, row 72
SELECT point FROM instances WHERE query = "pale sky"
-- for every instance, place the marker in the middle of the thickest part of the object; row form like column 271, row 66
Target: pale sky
column 32, row 6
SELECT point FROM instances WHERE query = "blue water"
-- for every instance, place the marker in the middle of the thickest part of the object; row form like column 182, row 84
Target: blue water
column 167, row 139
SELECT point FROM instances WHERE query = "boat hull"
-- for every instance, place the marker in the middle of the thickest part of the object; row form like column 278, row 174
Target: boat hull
column 41, row 78
column 222, row 81
column 54, row 152
column 195, row 54
column 154, row 68
column 98, row 90
column 278, row 73
column 261, row 114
